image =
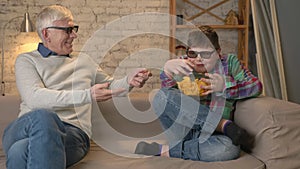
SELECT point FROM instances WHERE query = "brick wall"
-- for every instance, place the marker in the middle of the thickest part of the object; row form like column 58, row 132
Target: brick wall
column 118, row 34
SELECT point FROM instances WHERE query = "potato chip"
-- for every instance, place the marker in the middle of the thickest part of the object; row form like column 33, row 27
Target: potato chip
column 192, row 88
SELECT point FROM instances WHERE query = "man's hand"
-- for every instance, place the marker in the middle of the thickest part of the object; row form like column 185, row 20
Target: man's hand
column 100, row 92
column 138, row 77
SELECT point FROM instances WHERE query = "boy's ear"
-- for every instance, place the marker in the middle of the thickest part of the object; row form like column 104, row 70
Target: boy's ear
column 219, row 50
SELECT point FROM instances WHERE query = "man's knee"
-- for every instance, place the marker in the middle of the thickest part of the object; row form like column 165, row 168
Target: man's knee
column 44, row 116
column 42, row 113
column 45, row 120
column 18, row 151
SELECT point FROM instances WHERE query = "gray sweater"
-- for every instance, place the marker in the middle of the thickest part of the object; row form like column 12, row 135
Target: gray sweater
column 61, row 84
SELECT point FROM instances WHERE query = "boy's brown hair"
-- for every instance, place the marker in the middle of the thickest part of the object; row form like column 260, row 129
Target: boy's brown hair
column 196, row 37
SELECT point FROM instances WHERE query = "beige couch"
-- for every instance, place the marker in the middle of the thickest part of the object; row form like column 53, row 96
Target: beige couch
column 275, row 124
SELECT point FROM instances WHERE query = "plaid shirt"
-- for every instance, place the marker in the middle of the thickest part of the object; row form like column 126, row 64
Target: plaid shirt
column 240, row 83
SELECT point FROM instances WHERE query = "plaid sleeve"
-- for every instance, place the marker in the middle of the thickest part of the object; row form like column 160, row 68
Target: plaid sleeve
column 240, row 82
column 166, row 81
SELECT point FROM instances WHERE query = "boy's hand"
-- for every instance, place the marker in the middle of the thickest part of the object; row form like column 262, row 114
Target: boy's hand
column 216, row 81
column 178, row 67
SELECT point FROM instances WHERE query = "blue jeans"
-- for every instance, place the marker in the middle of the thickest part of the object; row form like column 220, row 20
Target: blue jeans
column 39, row 139
column 182, row 118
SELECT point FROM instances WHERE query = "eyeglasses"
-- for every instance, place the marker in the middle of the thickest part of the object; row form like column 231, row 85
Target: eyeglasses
column 203, row 54
column 68, row 30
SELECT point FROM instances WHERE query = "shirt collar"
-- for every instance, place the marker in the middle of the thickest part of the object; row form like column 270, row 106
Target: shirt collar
column 45, row 52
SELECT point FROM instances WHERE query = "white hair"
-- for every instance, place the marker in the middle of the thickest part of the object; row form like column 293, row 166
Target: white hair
column 50, row 14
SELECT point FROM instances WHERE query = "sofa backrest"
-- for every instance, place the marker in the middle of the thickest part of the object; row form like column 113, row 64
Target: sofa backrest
column 9, row 110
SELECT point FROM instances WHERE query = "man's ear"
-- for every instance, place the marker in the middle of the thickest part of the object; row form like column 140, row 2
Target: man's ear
column 45, row 35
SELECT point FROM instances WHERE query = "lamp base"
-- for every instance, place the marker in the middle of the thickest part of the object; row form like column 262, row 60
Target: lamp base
column 3, row 88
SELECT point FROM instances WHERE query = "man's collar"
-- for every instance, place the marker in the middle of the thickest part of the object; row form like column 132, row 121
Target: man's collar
column 45, row 52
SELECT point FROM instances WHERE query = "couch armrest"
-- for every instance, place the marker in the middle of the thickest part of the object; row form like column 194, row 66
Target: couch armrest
column 276, row 126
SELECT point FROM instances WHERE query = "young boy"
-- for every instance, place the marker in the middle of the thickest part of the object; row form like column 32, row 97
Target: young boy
column 186, row 118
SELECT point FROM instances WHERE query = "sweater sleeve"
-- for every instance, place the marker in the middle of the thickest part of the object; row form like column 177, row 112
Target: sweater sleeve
column 102, row 77
column 34, row 93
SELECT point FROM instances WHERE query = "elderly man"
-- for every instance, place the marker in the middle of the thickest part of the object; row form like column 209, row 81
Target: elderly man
column 57, row 90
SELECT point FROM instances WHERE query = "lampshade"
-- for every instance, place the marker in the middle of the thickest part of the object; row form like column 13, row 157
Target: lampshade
column 27, row 25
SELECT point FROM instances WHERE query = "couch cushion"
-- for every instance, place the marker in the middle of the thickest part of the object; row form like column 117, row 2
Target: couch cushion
column 275, row 124
column 98, row 158
column 9, row 110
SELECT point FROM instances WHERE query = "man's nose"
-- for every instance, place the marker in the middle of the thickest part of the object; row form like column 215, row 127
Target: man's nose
column 73, row 34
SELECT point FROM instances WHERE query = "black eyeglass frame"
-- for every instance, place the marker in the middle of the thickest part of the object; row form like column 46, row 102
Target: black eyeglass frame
column 68, row 30
column 203, row 54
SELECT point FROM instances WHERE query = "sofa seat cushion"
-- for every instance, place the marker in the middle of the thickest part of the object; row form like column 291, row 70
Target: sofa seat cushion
column 98, row 158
